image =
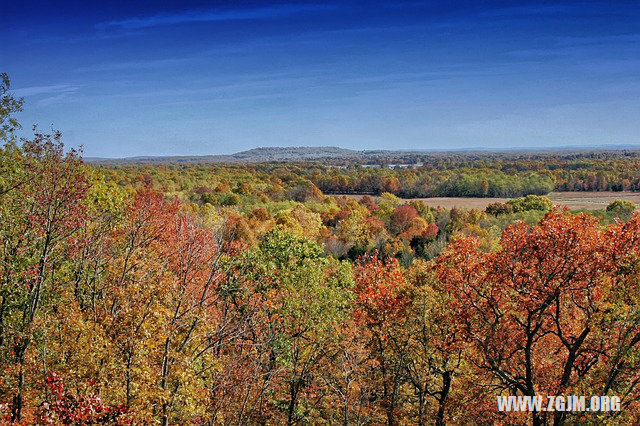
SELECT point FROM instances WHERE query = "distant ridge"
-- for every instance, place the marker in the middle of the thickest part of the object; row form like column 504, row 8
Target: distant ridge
column 265, row 154
column 295, row 153
column 306, row 153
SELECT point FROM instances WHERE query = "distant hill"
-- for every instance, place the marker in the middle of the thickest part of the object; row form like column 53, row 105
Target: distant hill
column 336, row 155
column 294, row 153
column 266, row 154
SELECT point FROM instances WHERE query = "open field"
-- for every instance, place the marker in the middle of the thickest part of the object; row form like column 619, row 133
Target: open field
column 592, row 200
column 573, row 200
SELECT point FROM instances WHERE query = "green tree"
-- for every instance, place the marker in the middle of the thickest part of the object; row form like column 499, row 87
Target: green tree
column 297, row 295
column 9, row 105
column 622, row 208
column 531, row 202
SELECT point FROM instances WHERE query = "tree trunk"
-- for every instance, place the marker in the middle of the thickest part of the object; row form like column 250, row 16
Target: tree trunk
column 17, row 401
column 292, row 403
column 128, row 381
column 421, row 400
column 446, row 386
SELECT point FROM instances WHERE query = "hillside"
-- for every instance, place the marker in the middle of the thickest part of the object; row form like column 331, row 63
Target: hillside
column 294, row 153
column 265, row 154
column 336, row 155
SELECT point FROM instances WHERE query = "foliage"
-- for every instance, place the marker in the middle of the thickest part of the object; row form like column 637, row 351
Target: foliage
column 530, row 202
column 69, row 409
column 9, row 105
column 41, row 212
column 242, row 294
column 621, row 208
column 538, row 313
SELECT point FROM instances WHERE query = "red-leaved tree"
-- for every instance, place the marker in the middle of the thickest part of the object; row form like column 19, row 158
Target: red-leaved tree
column 547, row 313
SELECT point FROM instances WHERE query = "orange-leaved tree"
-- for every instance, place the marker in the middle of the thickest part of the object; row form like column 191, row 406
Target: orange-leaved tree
column 380, row 309
column 542, row 314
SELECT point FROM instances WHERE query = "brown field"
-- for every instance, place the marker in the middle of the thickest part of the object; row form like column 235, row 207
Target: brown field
column 573, row 200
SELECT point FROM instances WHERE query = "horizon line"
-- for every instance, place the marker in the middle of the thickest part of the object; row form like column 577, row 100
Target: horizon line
column 610, row 147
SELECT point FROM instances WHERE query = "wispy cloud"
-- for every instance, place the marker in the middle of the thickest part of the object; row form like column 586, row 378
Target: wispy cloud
column 614, row 66
column 250, row 46
column 252, row 84
column 45, row 90
column 216, row 15
column 585, row 48
column 541, row 53
column 614, row 39
column 136, row 65
column 52, row 100
column 572, row 9
column 528, row 10
column 48, row 95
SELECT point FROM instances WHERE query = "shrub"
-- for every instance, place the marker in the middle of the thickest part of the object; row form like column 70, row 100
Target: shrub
column 499, row 208
column 621, row 206
column 531, row 202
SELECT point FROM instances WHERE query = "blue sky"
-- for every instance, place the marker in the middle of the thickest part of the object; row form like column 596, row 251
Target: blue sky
column 126, row 78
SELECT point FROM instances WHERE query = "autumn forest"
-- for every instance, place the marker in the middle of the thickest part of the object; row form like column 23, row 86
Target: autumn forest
column 311, row 292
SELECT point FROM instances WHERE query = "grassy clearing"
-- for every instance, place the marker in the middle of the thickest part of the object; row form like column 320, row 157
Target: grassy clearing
column 573, row 200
